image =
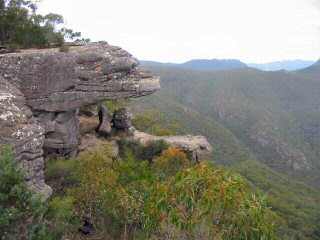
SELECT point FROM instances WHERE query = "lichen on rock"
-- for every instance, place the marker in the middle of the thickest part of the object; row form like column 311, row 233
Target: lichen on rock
column 19, row 129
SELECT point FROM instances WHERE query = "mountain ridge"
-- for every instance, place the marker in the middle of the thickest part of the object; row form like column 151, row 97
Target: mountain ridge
column 225, row 64
column 201, row 64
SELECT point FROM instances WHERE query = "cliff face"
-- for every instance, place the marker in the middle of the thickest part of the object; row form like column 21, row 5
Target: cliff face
column 20, row 130
column 57, row 84
column 42, row 90
column 42, row 93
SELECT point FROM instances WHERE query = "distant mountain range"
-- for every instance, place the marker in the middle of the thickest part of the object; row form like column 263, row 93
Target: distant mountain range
column 201, row 64
column 289, row 65
column 224, row 64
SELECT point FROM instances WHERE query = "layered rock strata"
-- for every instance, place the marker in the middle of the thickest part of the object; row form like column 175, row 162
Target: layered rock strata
column 20, row 130
column 42, row 91
column 57, row 84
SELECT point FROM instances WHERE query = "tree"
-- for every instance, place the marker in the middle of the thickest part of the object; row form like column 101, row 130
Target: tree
column 20, row 25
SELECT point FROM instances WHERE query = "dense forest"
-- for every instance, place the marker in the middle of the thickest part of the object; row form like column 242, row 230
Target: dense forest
column 226, row 107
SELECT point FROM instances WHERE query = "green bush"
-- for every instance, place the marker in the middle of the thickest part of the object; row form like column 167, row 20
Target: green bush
column 169, row 198
column 59, row 217
column 144, row 123
column 58, row 175
column 112, row 105
column 21, row 24
column 142, row 152
column 12, row 47
column 63, row 48
column 202, row 202
column 21, row 210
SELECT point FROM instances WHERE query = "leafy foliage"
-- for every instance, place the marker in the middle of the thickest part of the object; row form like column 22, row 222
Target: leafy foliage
column 207, row 203
column 295, row 205
column 21, row 211
column 126, row 195
column 21, row 26
column 142, row 152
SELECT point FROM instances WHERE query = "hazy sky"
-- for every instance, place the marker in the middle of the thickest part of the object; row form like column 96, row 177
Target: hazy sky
column 179, row 30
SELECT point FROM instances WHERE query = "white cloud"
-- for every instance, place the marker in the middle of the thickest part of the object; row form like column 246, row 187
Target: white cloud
column 178, row 30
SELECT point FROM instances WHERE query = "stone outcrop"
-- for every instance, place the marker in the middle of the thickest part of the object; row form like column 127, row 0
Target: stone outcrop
column 197, row 147
column 48, row 104
column 20, row 130
column 122, row 119
column 57, row 84
column 105, row 118
column 43, row 90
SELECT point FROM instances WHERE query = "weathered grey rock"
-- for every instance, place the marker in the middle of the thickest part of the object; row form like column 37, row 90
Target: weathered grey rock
column 122, row 119
column 20, row 130
column 54, row 86
column 197, row 147
column 54, row 81
column 105, row 117
column 57, row 84
column 89, row 111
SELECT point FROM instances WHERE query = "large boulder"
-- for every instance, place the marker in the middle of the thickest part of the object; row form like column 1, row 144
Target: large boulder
column 105, row 117
column 20, row 130
column 196, row 147
column 122, row 119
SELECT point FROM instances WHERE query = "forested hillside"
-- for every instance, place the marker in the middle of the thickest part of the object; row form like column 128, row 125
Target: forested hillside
column 264, row 125
column 274, row 114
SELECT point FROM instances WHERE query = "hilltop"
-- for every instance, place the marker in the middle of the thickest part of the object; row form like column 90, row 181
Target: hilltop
column 201, row 64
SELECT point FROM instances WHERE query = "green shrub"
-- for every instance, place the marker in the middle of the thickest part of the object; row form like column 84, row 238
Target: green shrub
column 202, row 202
column 58, row 174
column 166, row 198
column 21, row 210
column 12, row 47
column 59, row 217
column 142, row 152
column 145, row 124
column 169, row 163
column 64, row 48
column 110, row 193
column 112, row 105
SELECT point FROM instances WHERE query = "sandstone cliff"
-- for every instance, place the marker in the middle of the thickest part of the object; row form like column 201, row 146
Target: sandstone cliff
column 42, row 92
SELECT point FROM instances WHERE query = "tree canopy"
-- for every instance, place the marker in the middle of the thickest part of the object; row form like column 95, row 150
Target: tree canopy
column 22, row 26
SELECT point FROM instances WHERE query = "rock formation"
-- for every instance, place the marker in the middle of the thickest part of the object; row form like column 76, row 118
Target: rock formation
column 46, row 97
column 122, row 120
column 42, row 91
column 20, row 130
column 105, row 117
column 197, row 147
column 57, row 84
